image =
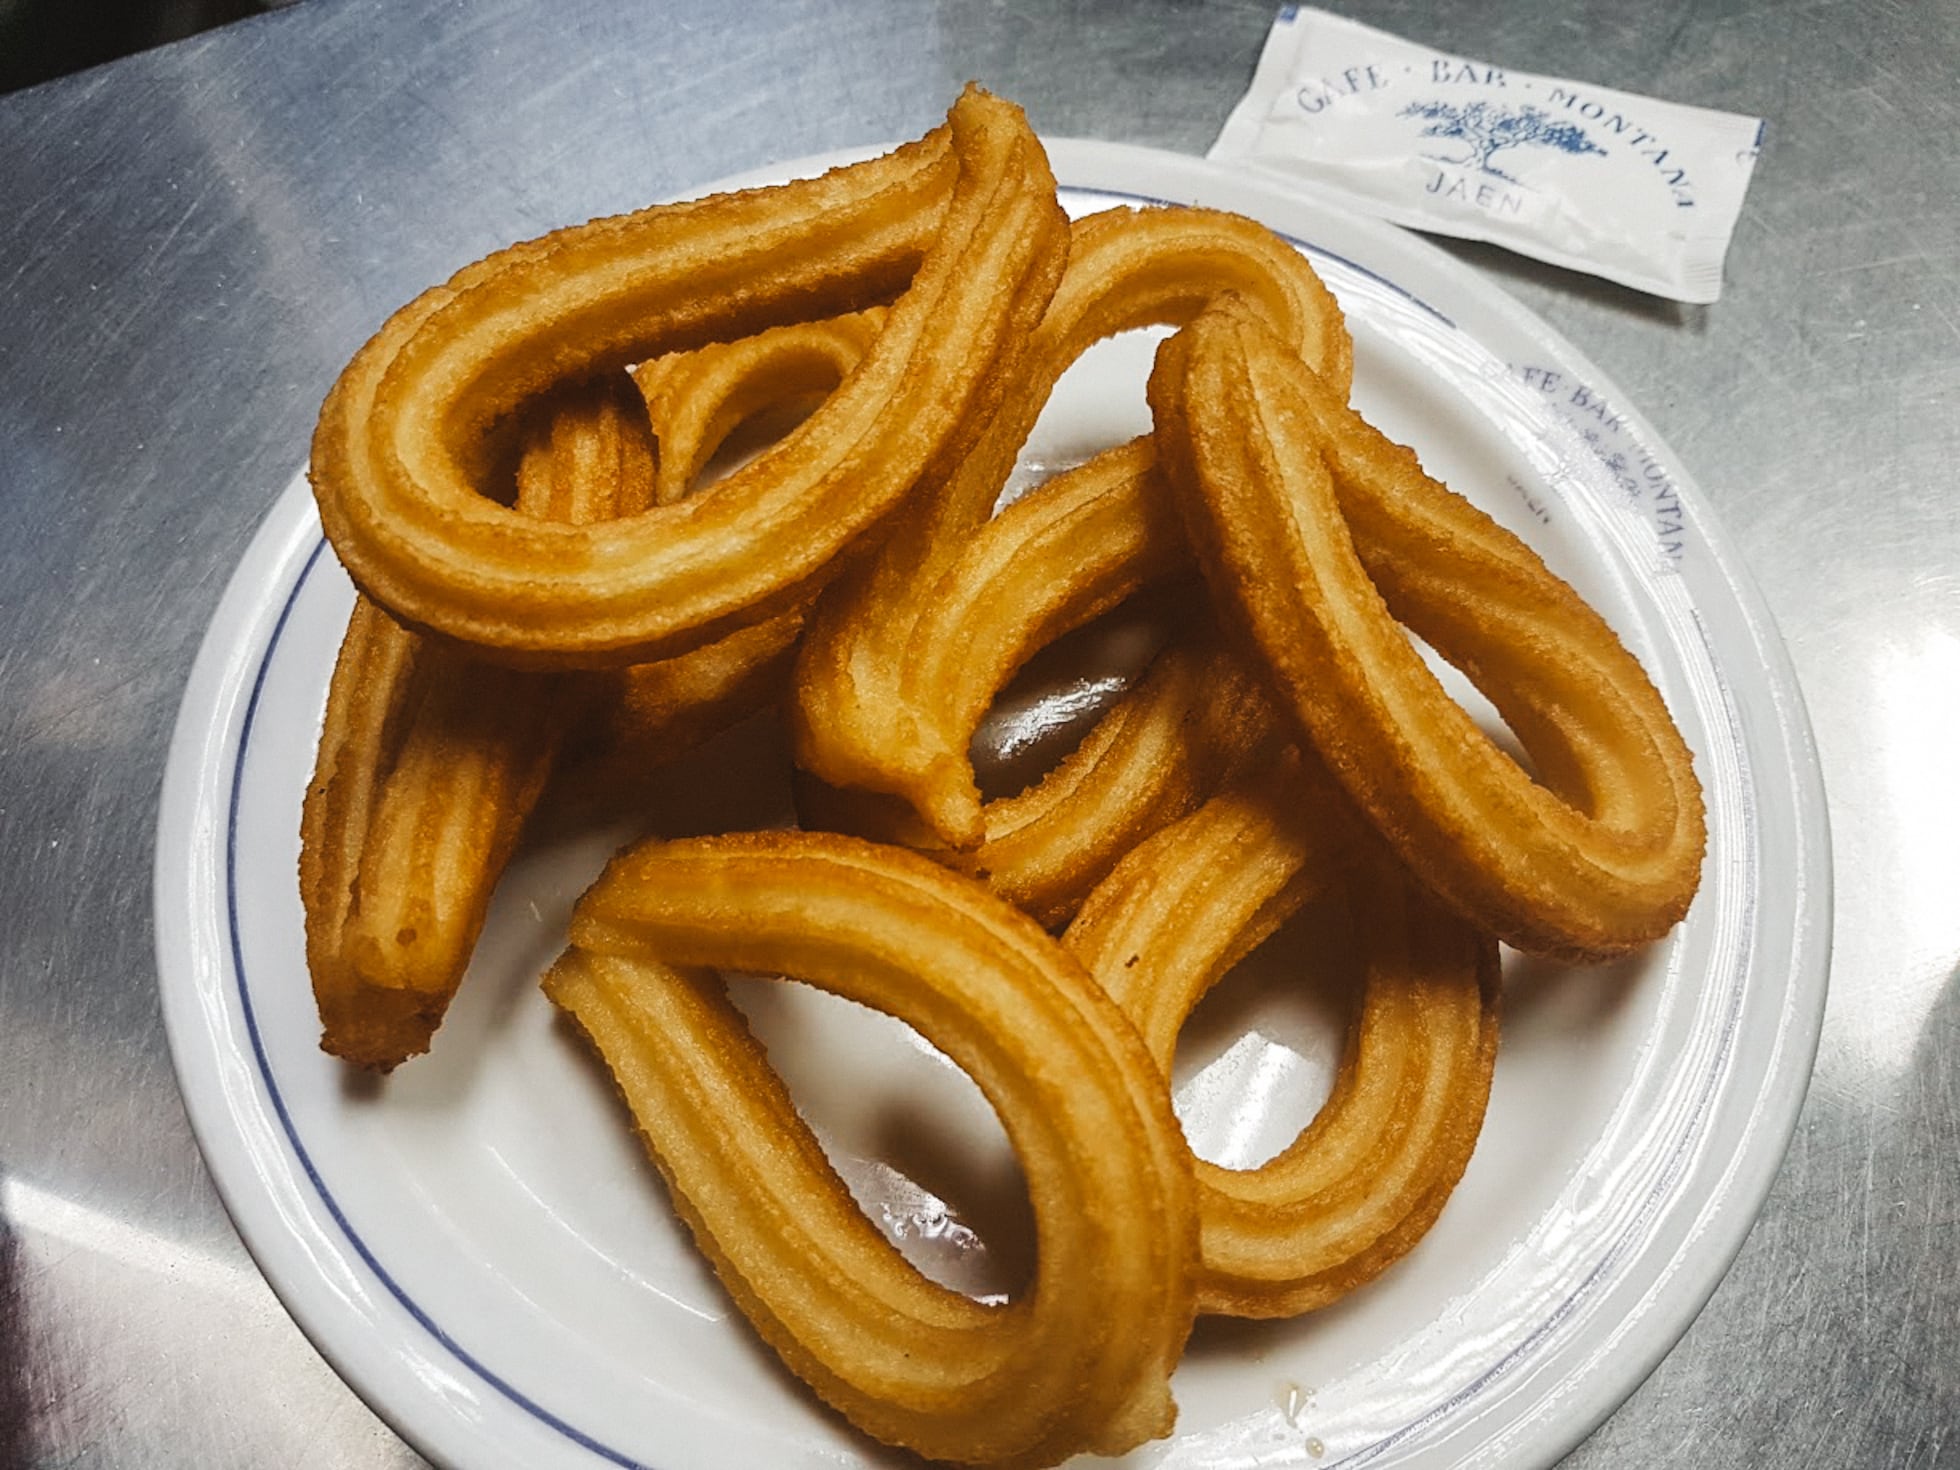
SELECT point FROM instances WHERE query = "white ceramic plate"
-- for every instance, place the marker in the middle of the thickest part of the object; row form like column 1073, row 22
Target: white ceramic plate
column 479, row 1248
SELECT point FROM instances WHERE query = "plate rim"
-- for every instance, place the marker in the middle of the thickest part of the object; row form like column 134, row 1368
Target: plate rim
column 210, row 719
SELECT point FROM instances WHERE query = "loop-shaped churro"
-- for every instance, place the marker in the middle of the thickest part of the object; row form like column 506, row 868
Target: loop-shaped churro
column 1079, row 1361
column 899, row 666
column 431, row 761
column 1317, row 534
column 407, row 441
column 1369, row 1175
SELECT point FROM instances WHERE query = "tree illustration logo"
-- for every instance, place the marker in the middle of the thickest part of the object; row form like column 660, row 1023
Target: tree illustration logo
column 1490, row 130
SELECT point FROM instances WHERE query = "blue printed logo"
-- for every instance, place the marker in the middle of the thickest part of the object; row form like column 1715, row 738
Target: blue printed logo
column 1488, row 130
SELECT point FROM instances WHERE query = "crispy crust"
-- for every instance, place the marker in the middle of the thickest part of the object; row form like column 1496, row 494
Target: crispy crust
column 1365, row 1180
column 1193, row 718
column 1081, row 1361
column 1316, row 534
column 405, row 448
column 903, row 655
column 431, row 761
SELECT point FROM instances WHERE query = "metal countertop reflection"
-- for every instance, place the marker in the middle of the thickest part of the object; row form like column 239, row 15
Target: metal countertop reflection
column 196, row 238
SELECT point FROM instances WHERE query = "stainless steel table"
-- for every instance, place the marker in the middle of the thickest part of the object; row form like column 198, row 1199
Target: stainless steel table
column 194, row 240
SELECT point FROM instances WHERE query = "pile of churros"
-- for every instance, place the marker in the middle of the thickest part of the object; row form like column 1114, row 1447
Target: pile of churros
column 511, row 471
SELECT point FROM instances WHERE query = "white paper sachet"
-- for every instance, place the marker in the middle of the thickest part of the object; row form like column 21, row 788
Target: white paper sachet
column 1639, row 191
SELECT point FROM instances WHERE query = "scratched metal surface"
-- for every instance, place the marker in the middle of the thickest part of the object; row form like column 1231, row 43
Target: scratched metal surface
column 195, row 239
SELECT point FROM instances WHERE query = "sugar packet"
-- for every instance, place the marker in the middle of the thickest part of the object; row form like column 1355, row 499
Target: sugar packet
column 1636, row 190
